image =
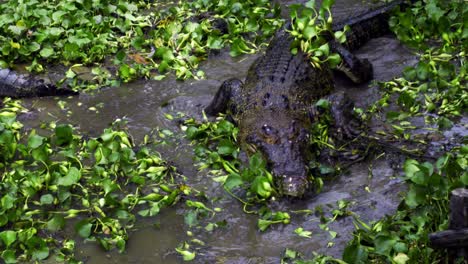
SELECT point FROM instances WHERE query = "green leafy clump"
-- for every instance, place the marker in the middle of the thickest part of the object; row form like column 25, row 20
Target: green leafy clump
column 425, row 209
column 311, row 30
column 429, row 21
column 83, row 31
column 437, row 84
column 146, row 39
column 188, row 31
column 47, row 180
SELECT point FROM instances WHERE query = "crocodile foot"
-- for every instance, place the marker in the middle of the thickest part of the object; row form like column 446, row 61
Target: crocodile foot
column 346, row 125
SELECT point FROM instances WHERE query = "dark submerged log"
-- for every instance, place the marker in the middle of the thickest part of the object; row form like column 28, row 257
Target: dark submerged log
column 16, row 85
column 450, row 238
column 456, row 238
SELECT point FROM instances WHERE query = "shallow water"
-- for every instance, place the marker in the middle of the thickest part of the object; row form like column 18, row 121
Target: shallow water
column 371, row 186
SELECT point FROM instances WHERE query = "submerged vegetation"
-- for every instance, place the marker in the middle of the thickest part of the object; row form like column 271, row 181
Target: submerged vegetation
column 58, row 178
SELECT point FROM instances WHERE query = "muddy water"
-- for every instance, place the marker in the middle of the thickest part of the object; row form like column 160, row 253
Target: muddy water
column 371, row 186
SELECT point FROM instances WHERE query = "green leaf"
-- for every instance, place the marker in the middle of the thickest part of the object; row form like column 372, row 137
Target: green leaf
column 34, row 141
column 239, row 46
column 303, row 233
column 56, row 223
column 40, row 154
column 334, row 60
column 191, row 218
column 72, row 177
column 263, row 224
column 384, row 244
column 289, row 253
column 415, row 196
column 165, row 53
column 434, row 12
column 83, row 228
column 33, row 47
column 186, row 255
column 423, row 71
column 355, row 253
column 55, row 31
column 310, row 32
column 323, row 103
column 198, row 205
column 191, row 27
column 444, row 123
column 310, row 4
column 232, row 181
column 340, row 36
column 214, row 42
column 57, row 16
column 79, row 40
column 325, row 49
column 163, row 66
column 226, row 147
column 40, row 251
column 8, row 201
column 464, row 179
column 256, row 161
column 8, row 237
column 401, row 258
column 400, row 247
column 64, row 134
column 327, row 4
column 47, row 199
column 262, row 186
column 236, row 7
column 47, row 52
column 410, row 167
column 9, row 256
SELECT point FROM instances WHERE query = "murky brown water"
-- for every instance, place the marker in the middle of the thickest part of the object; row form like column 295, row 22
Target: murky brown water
column 141, row 103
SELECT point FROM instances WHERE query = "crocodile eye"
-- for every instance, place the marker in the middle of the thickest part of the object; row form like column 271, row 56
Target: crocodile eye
column 267, row 130
column 269, row 134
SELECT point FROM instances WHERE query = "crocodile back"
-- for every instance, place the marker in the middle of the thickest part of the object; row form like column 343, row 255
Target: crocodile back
column 280, row 76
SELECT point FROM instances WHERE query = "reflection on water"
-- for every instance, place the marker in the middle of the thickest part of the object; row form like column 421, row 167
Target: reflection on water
column 144, row 103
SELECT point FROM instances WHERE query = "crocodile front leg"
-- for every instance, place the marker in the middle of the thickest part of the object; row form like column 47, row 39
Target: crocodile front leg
column 359, row 71
column 346, row 124
column 342, row 110
column 227, row 99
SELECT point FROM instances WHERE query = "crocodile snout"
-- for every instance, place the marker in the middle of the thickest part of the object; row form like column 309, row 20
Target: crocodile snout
column 291, row 177
column 295, row 186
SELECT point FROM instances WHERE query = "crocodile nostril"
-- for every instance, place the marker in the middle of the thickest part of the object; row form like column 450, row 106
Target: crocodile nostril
column 268, row 130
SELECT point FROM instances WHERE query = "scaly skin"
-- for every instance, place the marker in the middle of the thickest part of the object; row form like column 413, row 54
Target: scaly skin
column 17, row 85
column 274, row 106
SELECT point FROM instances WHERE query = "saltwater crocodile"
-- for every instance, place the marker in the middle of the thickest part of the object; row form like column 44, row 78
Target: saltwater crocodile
column 16, row 85
column 274, row 107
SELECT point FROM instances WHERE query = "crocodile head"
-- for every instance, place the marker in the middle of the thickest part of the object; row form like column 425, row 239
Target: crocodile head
column 282, row 141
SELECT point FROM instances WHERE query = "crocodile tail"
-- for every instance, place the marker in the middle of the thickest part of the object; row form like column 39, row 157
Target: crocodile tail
column 368, row 25
column 15, row 85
